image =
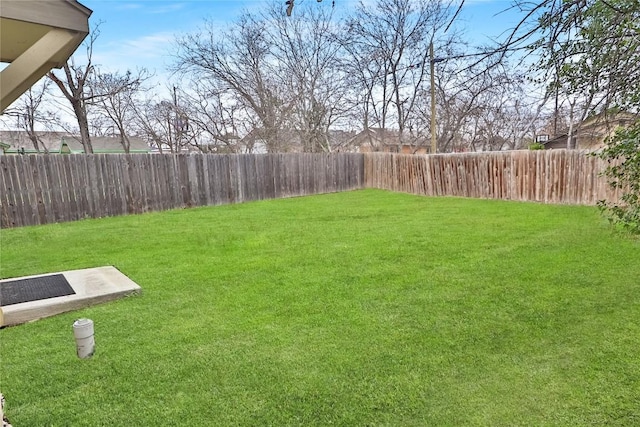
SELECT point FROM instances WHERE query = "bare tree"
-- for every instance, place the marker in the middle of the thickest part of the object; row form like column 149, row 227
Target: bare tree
column 588, row 53
column 215, row 117
column 388, row 48
column 309, row 55
column 84, row 87
column 163, row 121
column 153, row 122
column 117, row 98
column 463, row 95
column 73, row 85
column 29, row 112
column 240, row 59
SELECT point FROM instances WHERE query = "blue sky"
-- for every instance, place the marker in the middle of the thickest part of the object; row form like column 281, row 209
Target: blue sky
column 139, row 33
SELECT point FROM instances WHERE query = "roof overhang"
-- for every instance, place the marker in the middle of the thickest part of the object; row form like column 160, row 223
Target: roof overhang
column 36, row 37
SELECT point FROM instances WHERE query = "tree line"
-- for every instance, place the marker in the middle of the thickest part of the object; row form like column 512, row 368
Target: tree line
column 275, row 80
column 277, row 83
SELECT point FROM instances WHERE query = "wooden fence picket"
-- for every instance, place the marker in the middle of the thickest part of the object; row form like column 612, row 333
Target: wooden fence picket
column 554, row 176
column 40, row 189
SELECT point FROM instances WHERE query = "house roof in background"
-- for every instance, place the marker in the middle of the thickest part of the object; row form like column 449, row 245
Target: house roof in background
column 53, row 142
column 341, row 139
column 592, row 132
column 558, row 141
column 609, row 119
column 386, row 137
column 19, row 140
column 289, row 136
column 105, row 144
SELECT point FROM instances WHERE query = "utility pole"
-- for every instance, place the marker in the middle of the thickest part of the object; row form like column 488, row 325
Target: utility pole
column 432, row 62
column 176, row 126
column 434, row 144
column 173, row 122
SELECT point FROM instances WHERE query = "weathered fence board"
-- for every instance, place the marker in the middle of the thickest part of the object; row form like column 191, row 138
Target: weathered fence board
column 554, row 176
column 40, row 189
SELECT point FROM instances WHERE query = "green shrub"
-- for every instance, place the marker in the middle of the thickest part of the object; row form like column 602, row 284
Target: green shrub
column 536, row 146
column 623, row 155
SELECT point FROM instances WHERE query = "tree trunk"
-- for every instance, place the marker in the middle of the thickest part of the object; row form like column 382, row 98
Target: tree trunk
column 83, row 124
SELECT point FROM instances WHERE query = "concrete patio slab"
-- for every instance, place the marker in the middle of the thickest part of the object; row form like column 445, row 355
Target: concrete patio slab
column 91, row 286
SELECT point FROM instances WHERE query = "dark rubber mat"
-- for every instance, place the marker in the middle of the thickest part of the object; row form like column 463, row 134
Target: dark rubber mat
column 34, row 289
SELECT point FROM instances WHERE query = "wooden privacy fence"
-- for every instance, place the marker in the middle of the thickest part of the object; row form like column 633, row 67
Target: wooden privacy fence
column 40, row 189
column 549, row 176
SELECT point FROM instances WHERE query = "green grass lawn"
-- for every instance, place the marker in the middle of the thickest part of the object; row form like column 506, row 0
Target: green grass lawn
column 358, row 308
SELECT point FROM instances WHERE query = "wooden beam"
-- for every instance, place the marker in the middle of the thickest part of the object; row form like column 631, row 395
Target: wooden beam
column 33, row 64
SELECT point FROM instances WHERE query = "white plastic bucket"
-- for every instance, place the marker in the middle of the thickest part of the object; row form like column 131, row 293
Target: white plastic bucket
column 83, row 333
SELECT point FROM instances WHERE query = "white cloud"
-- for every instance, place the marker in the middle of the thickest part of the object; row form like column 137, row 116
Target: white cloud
column 150, row 51
column 155, row 7
column 149, row 45
column 167, row 8
column 128, row 6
